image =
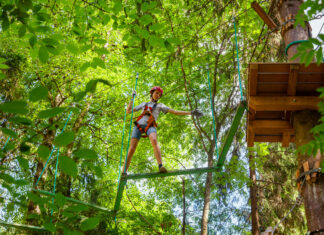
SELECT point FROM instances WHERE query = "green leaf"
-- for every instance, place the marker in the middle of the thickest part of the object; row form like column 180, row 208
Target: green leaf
column 85, row 66
column 98, row 62
column 20, row 120
column 77, row 208
column 156, row 27
column 4, row 66
column 156, row 41
column 38, row 93
column 50, row 42
column 100, row 41
column 2, row 75
column 98, row 171
column 50, row 227
column 68, row 166
column 51, row 112
column 322, row 166
column 16, row 107
column 146, row 19
column 32, row 41
column 72, row 48
column 309, row 57
column 2, row 60
column 7, row 178
column 64, row 139
column 89, row 224
column 22, row 31
column 60, row 199
column 24, row 148
column 117, row 7
column 319, row 56
column 86, row 154
column 43, row 54
column 21, row 182
column 79, row 96
column 23, row 163
column 9, row 132
column 175, row 41
column 43, row 152
column 321, row 36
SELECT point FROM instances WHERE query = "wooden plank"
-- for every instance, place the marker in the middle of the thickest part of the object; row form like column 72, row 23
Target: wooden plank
column 273, row 78
column 170, row 173
column 269, row 115
column 292, row 81
column 267, row 20
column 308, row 89
column 270, row 124
column 271, row 139
column 230, row 135
column 275, row 89
column 282, row 103
column 253, row 79
column 312, row 68
column 286, row 139
column 250, row 136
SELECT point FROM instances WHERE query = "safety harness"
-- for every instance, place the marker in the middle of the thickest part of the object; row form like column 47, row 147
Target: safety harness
column 150, row 122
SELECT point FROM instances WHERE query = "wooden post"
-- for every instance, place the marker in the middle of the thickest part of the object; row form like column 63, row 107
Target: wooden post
column 267, row 20
column 303, row 122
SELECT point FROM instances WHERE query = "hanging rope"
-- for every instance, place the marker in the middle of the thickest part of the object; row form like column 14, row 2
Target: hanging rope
column 122, row 144
column 238, row 63
column 67, row 120
column 57, row 159
column 212, row 110
column 5, row 145
column 130, row 125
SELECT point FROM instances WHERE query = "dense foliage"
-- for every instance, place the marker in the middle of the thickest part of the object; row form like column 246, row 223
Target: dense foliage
column 72, row 64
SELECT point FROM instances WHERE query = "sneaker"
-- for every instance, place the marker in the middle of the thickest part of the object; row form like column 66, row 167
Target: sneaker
column 162, row 169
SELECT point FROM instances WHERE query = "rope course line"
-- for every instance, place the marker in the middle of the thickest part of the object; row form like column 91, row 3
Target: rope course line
column 5, row 145
column 52, row 151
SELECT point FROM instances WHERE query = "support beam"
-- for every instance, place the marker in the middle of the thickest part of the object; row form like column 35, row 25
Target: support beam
column 264, row 16
column 170, row 173
column 292, row 80
column 23, row 226
column 253, row 79
column 119, row 196
column 283, row 103
column 74, row 201
column 261, row 125
column 231, row 133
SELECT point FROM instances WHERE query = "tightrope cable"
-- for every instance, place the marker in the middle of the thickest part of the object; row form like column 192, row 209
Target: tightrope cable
column 67, row 120
column 5, row 145
column 238, row 62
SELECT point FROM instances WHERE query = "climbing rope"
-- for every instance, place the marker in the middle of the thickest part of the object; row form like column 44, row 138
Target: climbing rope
column 122, row 143
column 5, row 145
column 67, row 120
column 238, row 62
column 130, row 125
column 57, row 159
column 297, row 203
column 212, row 110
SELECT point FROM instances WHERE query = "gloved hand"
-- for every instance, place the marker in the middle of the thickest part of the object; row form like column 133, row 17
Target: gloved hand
column 197, row 113
column 134, row 93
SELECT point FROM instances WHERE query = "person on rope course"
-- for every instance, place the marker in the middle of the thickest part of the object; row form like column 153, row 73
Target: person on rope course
column 145, row 125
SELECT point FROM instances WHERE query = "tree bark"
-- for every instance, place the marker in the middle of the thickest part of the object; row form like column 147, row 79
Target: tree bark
column 204, row 219
column 304, row 121
column 253, row 197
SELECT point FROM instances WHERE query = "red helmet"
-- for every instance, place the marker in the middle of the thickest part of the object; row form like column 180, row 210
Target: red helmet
column 156, row 88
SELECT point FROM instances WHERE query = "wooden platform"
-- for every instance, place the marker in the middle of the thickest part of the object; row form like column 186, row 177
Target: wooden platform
column 275, row 91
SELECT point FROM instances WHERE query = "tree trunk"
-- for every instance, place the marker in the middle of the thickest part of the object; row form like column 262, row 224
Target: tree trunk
column 304, row 121
column 204, row 220
column 184, row 206
column 253, row 197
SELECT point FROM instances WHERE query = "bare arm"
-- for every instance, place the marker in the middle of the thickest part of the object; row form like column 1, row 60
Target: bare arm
column 129, row 107
column 179, row 112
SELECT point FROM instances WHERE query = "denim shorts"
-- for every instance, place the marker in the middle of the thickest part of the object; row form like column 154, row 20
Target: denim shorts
column 137, row 134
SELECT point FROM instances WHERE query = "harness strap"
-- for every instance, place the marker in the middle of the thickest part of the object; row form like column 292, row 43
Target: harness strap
column 150, row 122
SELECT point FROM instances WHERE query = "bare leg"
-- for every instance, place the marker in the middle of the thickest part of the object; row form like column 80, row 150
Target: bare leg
column 156, row 147
column 131, row 151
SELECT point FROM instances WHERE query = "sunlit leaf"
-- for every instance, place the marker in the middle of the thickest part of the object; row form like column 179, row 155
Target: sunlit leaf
column 64, row 139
